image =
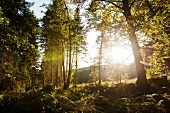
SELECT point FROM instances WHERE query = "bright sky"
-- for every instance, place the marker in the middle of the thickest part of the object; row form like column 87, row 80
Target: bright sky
column 120, row 55
column 37, row 9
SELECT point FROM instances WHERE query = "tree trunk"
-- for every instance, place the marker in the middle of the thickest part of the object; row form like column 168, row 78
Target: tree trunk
column 75, row 76
column 67, row 57
column 100, row 56
column 63, row 67
column 56, row 75
column 135, row 46
column 51, row 70
column 70, row 67
column 60, row 77
column 43, row 74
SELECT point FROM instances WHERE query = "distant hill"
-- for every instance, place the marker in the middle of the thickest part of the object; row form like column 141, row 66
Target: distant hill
column 109, row 73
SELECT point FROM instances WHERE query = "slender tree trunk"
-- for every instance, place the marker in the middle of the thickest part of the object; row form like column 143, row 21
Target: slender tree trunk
column 51, row 69
column 56, row 76
column 135, row 46
column 70, row 67
column 60, row 77
column 75, row 75
column 43, row 80
column 100, row 57
column 63, row 67
column 94, row 72
column 67, row 58
column 43, row 74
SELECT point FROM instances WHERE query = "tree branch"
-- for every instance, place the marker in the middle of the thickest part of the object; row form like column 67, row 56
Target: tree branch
column 154, row 12
column 112, row 3
column 132, row 3
column 149, row 5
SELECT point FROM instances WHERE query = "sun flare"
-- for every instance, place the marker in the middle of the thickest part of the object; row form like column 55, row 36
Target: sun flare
column 121, row 55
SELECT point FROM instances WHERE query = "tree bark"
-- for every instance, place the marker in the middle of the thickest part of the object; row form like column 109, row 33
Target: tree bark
column 141, row 80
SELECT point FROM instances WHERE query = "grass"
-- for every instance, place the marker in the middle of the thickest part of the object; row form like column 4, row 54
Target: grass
column 107, row 98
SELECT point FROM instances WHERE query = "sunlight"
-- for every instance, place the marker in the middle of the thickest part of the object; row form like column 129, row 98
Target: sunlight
column 119, row 53
column 122, row 55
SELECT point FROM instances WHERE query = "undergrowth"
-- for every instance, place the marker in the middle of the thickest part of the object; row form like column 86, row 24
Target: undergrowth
column 122, row 98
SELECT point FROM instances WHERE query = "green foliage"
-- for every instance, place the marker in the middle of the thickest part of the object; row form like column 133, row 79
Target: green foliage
column 47, row 89
column 64, row 40
column 3, row 19
column 58, row 101
column 19, row 50
column 96, row 99
column 28, row 102
column 155, row 28
column 7, row 84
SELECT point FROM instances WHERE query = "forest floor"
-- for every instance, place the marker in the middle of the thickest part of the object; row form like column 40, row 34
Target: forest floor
column 119, row 98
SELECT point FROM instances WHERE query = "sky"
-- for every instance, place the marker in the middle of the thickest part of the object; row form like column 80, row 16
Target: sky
column 37, row 9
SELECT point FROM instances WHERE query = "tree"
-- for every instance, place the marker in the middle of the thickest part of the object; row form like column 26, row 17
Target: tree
column 100, row 57
column 121, row 15
column 54, row 37
column 18, row 41
column 134, row 18
column 68, row 39
column 156, row 27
